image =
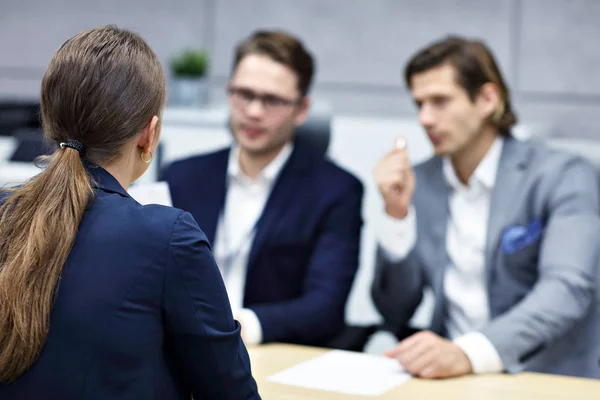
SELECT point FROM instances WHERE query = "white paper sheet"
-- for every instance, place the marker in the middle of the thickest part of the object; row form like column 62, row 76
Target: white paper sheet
column 345, row 372
column 151, row 193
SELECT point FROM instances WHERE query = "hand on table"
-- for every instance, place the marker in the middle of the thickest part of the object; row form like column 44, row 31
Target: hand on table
column 427, row 355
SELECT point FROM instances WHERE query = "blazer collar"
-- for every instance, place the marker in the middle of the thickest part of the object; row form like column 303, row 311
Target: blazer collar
column 103, row 180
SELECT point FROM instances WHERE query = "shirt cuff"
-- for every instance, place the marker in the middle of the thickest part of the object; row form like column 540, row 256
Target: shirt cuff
column 380, row 342
column 397, row 237
column 481, row 352
column 251, row 328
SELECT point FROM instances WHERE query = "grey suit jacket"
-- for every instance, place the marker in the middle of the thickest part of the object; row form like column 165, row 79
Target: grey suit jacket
column 542, row 257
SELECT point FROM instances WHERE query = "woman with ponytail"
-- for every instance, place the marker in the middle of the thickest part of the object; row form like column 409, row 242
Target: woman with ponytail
column 101, row 297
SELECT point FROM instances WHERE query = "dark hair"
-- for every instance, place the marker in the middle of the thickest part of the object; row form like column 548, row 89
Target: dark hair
column 474, row 65
column 283, row 48
column 101, row 88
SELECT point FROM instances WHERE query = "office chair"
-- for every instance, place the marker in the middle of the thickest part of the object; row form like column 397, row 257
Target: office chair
column 316, row 131
column 18, row 115
column 31, row 144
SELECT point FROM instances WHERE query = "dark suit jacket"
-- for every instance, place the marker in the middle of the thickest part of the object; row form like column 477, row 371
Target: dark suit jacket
column 305, row 252
column 141, row 312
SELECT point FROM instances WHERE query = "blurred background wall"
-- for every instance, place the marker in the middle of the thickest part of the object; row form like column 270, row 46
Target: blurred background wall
column 547, row 48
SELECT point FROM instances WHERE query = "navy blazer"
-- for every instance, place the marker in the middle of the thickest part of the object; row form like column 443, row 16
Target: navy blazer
column 141, row 312
column 305, row 252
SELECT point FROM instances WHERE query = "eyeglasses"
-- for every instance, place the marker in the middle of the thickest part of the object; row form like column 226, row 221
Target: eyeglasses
column 243, row 97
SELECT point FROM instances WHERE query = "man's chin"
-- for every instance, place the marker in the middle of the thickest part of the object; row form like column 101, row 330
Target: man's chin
column 444, row 149
column 250, row 144
column 258, row 151
column 440, row 151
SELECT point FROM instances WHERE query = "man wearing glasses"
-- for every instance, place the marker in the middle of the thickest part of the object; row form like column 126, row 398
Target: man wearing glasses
column 285, row 222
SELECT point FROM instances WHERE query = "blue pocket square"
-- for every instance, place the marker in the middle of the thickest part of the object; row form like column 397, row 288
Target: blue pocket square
column 517, row 237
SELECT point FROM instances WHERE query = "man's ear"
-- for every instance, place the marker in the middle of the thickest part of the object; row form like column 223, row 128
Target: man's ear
column 303, row 110
column 489, row 102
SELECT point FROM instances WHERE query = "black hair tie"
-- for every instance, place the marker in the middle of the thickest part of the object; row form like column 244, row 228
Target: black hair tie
column 73, row 144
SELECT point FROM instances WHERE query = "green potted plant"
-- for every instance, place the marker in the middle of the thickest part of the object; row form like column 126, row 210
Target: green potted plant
column 188, row 78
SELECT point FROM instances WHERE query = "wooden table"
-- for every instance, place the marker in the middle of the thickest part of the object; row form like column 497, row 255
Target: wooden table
column 270, row 359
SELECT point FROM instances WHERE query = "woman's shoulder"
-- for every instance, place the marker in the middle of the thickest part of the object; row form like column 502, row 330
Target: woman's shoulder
column 181, row 234
column 151, row 222
column 176, row 222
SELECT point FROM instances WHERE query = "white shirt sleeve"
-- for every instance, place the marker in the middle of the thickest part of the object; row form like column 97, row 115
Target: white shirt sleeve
column 481, row 352
column 397, row 237
column 251, row 328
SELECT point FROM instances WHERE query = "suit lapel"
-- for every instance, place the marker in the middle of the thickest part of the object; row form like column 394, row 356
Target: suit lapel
column 280, row 198
column 513, row 161
column 438, row 209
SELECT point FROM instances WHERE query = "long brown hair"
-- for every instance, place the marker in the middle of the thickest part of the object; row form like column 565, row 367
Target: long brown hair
column 101, row 88
column 474, row 65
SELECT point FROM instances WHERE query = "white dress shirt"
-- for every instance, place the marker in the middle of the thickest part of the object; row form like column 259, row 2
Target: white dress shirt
column 244, row 203
column 465, row 278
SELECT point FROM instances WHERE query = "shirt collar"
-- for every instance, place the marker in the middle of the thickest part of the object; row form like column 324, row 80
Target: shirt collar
column 269, row 173
column 486, row 171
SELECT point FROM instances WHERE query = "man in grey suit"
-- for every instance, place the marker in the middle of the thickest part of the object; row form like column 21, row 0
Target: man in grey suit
column 506, row 233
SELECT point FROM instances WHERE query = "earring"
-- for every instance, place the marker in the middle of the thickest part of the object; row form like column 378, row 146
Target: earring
column 142, row 157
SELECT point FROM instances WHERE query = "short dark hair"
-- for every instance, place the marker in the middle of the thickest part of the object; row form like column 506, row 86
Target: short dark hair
column 474, row 65
column 283, row 48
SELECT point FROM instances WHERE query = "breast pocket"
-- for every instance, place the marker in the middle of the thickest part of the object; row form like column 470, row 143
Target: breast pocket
column 522, row 264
